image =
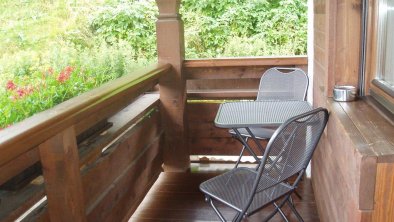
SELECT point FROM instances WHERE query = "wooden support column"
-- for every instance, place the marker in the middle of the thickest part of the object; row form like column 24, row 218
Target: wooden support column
column 170, row 47
column 60, row 164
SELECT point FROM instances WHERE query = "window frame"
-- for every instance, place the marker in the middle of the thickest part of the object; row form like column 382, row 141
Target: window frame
column 380, row 90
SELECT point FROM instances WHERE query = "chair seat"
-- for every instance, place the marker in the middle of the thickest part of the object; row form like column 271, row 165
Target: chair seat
column 233, row 188
column 258, row 132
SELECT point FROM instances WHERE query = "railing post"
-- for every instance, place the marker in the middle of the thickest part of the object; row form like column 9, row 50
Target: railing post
column 60, row 165
column 170, row 47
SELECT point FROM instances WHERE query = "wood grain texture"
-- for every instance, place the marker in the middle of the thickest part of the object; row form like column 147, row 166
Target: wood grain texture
column 251, row 61
column 176, row 197
column 99, row 175
column 384, row 194
column 371, row 44
column 375, row 129
column 14, row 204
column 91, row 149
column 219, row 79
column 29, row 133
column 345, row 159
column 170, row 49
column 227, row 72
column 60, row 163
column 207, row 139
column 17, row 165
column 347, row 43
column 129, row 188
column 220, row 94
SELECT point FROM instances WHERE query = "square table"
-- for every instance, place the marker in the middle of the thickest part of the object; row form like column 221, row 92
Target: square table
column 265, row 113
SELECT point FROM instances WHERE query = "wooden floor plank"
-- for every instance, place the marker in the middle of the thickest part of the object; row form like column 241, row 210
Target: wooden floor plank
column 176, row 197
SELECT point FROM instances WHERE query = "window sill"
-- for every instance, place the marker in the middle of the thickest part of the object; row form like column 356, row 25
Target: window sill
column 369, row 126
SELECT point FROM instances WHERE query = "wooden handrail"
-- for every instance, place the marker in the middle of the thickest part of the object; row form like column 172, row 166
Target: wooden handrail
column 31, row 132
column 247, row 61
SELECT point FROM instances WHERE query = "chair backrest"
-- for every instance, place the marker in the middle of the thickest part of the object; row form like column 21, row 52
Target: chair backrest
column 292, row 145
column 278, row 85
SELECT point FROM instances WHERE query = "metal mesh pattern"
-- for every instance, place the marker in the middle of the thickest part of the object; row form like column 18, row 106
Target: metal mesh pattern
column 287, row 154
column 277, row 85
column 234, row 188
column 259, row 133
column 232, row 115
column 291, row 149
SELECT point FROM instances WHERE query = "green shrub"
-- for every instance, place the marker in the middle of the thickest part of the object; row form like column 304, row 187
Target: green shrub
column 59, row 74
column 102, row 40
column 131, row 21
column 212, row 28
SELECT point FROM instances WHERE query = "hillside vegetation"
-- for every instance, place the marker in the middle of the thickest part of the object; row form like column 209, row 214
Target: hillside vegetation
column 54, row 50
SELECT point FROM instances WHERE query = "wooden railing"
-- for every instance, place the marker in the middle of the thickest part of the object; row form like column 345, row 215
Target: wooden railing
column 211, row 81
column 94, row 157
column 100, row 152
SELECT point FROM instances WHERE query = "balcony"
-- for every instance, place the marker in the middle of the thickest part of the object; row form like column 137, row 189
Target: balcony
column 123, row 151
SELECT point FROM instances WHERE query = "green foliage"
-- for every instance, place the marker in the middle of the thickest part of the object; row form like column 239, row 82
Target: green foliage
column 277, row 27
column 100, row 40
column 132, row 21
column 59, row 74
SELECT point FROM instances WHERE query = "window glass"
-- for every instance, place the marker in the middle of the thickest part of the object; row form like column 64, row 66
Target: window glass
column 386, row 42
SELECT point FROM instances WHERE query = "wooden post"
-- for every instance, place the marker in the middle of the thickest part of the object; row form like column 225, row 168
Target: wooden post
column 60, row 164
column 170, row 48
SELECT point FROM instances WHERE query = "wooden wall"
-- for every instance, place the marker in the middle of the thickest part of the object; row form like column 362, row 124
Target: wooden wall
column 94, row 156
column 351, row 167
column 211, row 82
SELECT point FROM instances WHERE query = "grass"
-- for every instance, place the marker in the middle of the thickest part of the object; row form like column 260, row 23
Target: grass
column 39, row 40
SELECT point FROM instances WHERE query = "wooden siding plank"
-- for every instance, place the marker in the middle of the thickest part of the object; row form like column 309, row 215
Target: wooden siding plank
column 210, row 84
column 243, row 72
column 19, row 164
column 384, row 193
column 99, row 175
column 176, row 197
column 29, row 133
column 130, row 186
column 92, row 149
column 220, row 94
column 251, row 61
column 14, row 204
column 376, row 131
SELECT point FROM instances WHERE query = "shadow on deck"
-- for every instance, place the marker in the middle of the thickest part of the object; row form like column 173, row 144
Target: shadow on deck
column 176, row 197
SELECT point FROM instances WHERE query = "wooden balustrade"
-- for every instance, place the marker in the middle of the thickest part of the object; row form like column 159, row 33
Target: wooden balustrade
column 210, row 81
column 101, row 151
column 91, row 171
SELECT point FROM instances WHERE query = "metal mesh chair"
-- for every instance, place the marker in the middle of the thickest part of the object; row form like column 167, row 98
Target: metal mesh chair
column 287, row 154
column 276, row 85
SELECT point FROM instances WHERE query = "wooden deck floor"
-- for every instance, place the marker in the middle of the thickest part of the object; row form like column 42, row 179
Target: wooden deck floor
column 176, row 197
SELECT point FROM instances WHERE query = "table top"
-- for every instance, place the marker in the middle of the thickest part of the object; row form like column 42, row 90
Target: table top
column 259, row 113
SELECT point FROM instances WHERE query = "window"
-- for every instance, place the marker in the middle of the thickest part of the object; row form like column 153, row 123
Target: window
column 385, row 54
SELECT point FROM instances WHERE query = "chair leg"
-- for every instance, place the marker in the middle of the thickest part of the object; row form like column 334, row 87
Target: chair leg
column 281, row 212
column 238, row 217
column 220, row 215
column 294, row 211
column 276, row 210
column 242, row 152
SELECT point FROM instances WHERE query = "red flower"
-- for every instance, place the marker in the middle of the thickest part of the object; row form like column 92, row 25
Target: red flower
column 10, row 85
column 50, row 71
column 65, row 74
column 22, row 92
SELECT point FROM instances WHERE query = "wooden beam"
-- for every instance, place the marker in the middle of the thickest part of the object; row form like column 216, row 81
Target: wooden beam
column 80, row 110
column 170, row 49
column 60, row 163
column 248, row 61
column 384, row 193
